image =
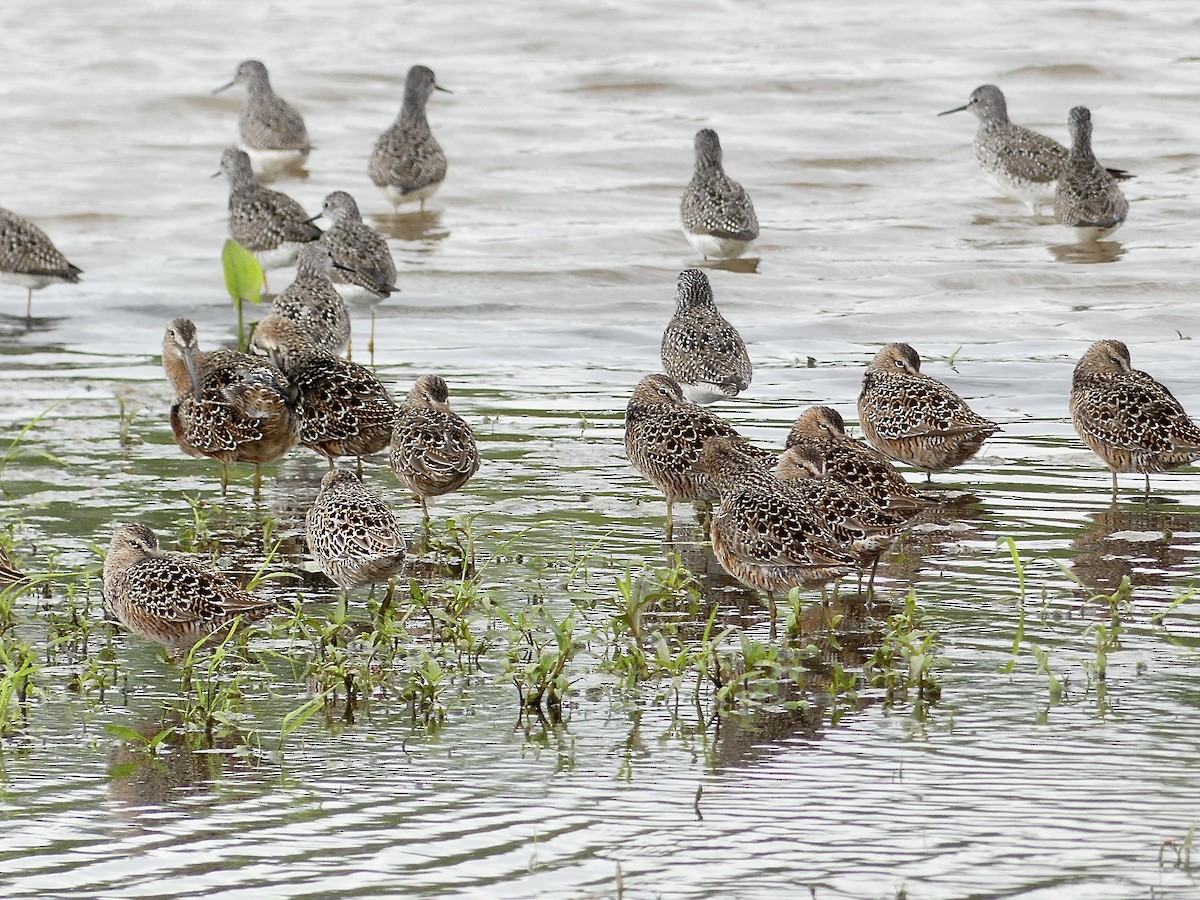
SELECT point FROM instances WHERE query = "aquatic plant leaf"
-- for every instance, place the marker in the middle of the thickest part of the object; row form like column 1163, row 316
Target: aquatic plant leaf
column 243, row 274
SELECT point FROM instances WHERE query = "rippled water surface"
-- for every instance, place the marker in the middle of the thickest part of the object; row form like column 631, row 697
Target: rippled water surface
column 538, row 284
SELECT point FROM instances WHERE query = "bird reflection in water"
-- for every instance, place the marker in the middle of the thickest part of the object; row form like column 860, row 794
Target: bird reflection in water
column 414, row 226
column 1089, row 252
column 1145, row 543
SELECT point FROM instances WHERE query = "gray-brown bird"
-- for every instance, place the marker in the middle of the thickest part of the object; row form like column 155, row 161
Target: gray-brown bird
column 700, row 349
column 408, row 163
column 1087, row 201
column 352, row 534
column 718, row 217
column 29, row 258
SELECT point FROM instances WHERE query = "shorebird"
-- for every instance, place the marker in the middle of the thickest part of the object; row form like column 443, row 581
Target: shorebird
column 313, row 303
column 352, row 534
column 917, row 419
column 1132, row 422
column 700, row 349
column 273, row 132
column 269, row 224
column 172, row 599
column 408, row 163
column 344, row 409
column 29, row 258
column 228, row 406
column 1022, row 163
column 433, row 448
column 1087, row 201
column 718, row 217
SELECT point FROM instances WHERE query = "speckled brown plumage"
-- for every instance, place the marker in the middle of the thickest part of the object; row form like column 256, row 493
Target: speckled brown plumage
column 718, row 217
column 8, row 572
column 821, row 431
column 433, row 448
column 228, row 406
column 914, row 418
column 268, row 124
column 352, row 534
column 700, row 349
column 344, row 409
column 312, row 302
column 407, row 162
column 364, row 261
column 173, row 599
column 664, row 436
column 1131, row 421
column 29, row 258
column 1087, row 200
column 269, row 224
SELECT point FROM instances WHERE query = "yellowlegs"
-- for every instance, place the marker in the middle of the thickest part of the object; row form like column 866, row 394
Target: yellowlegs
column 700, row 349
column 172, row 599
column 433, row 448
column 29, row 258
column 312, row 302
column 914, row 418
column 352, row 534
column 1087, row 201
column 273, row 132
column 718, row 217
column 408, row 163
column 1131, row 421
column 269, row 224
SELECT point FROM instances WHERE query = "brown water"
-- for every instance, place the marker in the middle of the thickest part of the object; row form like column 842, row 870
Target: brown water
column 538, row 284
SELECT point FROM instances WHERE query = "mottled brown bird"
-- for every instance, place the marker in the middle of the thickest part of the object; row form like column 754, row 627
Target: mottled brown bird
column 700, row 349
column 408, row 163
column 352, row 534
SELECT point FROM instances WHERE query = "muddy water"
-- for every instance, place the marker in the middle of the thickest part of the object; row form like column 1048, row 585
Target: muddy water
column 538, row 283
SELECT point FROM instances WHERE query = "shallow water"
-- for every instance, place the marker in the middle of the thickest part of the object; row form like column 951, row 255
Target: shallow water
column 538, row 284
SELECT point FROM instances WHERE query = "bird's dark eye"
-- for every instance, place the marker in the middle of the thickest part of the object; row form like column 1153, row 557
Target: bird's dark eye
column 899, row 364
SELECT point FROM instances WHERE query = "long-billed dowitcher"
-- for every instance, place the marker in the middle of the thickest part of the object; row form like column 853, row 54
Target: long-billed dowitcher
column 1131, row 421
column 269, row 224
column 29, row 258
column 718, row 217
column 917, row 419
column 821, row 430
column 173, row 599
column 1022, row 163
column 273, row 132
column 352, row 534
column 229, row 406
column 344, row 409
column 664, row 436
column 312, row 302
column 365, row 267
column 408, row 163
column 700, row 349
column 1087, row 201
column 765, row 534
column 433, row 448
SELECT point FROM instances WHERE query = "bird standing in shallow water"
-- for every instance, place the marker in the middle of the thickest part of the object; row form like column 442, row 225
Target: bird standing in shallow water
column 352, row 534
column 1087, row 201
column 29, row 258
column 344, row 409
column 917, row 419
column 273, row 132
column 229, row 406
column 700, row 349
column 408, row 163
column 173, row 599
column 8, row 572
column 433, row 448
column 269, row 224
column 1131, row 421
column 664, row 436
column 718, row 217
column 1022, row 163
column 312, row 302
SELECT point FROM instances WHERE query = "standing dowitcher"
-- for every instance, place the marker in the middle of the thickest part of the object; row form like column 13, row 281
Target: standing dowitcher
column 269, row 224
column 718, row 217
column 917, row 419
column 365, row 265
column 1087, row 201
column 173, row 599
column 312, row 302
column 273, row 133
column 700, row 349
column 29, row 258
column 433, row 448
column 1022, row 163
column 1131, row 421
column 765, row 534
column 344, row 409
column 228, row 405
column 664, row 436
column 820, row 430
column 352, row 534
column 408, row 163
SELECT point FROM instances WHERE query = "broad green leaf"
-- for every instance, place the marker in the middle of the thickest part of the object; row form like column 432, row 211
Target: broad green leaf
column 243, row 274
